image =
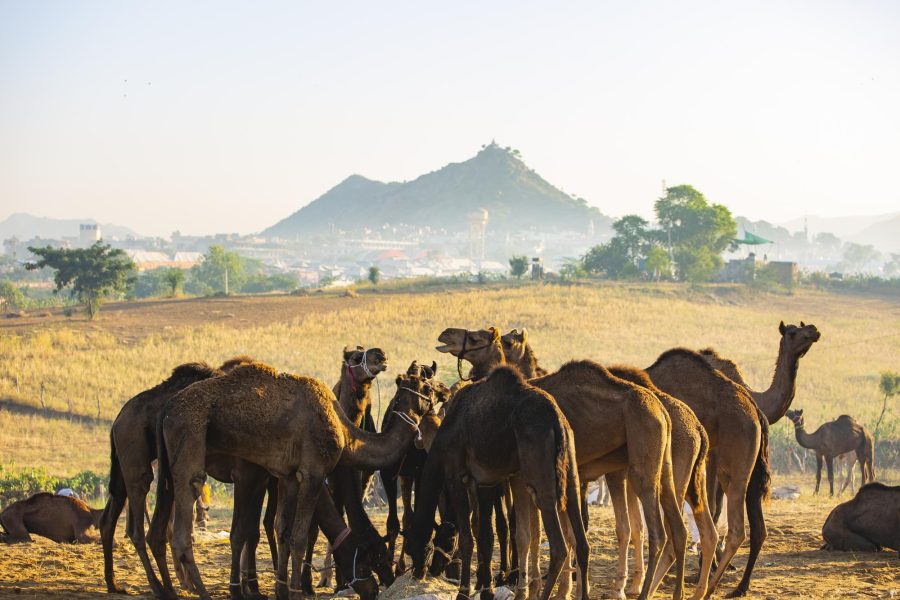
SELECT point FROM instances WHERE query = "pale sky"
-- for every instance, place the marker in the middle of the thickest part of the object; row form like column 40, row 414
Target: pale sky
column 234, row 115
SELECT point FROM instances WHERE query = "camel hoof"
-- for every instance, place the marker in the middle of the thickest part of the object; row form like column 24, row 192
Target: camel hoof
column 116, row 589
column 737, row 593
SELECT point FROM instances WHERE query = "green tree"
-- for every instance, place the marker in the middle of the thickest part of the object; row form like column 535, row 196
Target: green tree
column 518, row 265
column 633, row 236
column 174, row 278
column 892, row 267
column 857, row 256
column 92, row 273
column 698, row 231
column 658, row 264
column 889, row 385
column 374, row 275
column 11, row 295
column 220, row 270
column 611, row 259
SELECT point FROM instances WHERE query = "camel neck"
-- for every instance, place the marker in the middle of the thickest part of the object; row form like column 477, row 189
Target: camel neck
column 775, row 401
column 371, row 451
column 493, row 359
column 804, row 439
column 353, row 395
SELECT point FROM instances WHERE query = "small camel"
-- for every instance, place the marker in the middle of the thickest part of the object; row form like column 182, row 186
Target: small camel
column 63, row 519
column 689, row 447
column 868, row 523
column 306, row 437
column 776, row 400
column 617, row 425
column 834, row 438
column 501, row 428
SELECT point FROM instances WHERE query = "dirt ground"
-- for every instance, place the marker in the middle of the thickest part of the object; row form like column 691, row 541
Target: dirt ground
column 791, row 564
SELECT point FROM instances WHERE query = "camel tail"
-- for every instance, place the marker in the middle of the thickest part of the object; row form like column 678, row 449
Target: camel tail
column 562, row 465
column 697, row 487
column 760, row 484
column 165, row 487
column 866, row 456
column 116, row 480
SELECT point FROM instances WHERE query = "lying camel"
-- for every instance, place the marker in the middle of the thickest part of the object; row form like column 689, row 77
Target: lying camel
column 306, row 437
column 868, row 522
column 60, row 518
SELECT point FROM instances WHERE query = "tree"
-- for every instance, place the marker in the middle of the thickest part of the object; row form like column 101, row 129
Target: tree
column 697, row 231
column 374, row 275
column 174, row 278
column 889, row 386
column 632, row 232
column 92, row 273
column 658, row 264
column 11, row 295
column 610, row 258
column 220, row 270
column 892, row 267
column 857, row 256
column 828, row 242
column 518, row 266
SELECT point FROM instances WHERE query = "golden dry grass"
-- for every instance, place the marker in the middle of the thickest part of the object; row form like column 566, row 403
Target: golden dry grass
column 81, row 363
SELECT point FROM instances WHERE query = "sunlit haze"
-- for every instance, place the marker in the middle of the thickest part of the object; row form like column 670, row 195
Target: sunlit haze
column 226, row 117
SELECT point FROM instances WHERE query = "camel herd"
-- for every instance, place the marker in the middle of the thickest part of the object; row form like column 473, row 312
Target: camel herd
column 510, row 443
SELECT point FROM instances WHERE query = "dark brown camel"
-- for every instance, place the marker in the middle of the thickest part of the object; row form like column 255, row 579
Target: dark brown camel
column 776, row 400
column 834, row 438
column 359, row 368
column 617, row 425
column 867, row 523
column 689, row 447
column 738, row 437
column 497, row 429
column 306, row 436
column 62, row 519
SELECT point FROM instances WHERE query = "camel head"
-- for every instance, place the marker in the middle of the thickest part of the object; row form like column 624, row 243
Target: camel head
column 415, row 396
column 425, row 371
column 232, row 363
column 796, row 341
column 796, row 416
column 446, row 538
column 372, row 557
column 514, row 345
column 365, row 365
column 482, row 348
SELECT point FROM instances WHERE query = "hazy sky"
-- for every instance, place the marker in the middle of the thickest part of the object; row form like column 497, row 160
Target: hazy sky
column 223, row 116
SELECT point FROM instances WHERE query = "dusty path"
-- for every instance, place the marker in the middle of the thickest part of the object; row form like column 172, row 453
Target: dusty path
column 791, row 565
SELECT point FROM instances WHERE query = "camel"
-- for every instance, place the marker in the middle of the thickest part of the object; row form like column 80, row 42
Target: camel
column 498, row 429
column 63, row 519
column 868, row 523
column 689, row 446
column 306, row 436
column 738, row 438
column 776, row 400
column 359, row 368
column 834, row 438
column 605, row 413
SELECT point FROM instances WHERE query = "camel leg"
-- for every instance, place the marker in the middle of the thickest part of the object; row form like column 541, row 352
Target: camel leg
column 463, row 509
column 393, row 523
column 735, row 490
column 13, row 521
column 648, row 491
column 829, row 462
column 576, row 533
column 284, row 522
column 523, row 506
column 584, row 504
column 850, row 475
column 406, row 488
column 187, row 490
column 248, row 500
column 818, row 472
column 758, row 534
column 309, row 487
column 306, row 571
column 487, row 499
column 548, row 505
column 709, row 539
column 676, row 539
column 108, row 521
column 634, row 516
column 501, row 520
column 617, row 491
column 136, row 491
column 269, row 519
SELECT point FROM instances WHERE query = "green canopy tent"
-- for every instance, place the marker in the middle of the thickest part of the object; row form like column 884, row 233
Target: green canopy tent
column 751, row 239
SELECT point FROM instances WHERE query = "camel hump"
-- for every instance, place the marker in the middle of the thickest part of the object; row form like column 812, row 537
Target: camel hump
column 877, row 486
column 634, row 375
column 582, row 368
column 193, row 371
column 683, row 354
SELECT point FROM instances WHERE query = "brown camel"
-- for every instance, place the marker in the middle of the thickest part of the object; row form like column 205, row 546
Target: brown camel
column 689, row 447
column 834, row 438
column 738, row 437
column 605, row 413
column 306, row 437
column 498, row 429
column 775, row 401
column 868, row 523
column 63, row 519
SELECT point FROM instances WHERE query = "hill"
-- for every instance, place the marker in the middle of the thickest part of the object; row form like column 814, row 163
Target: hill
column 884, row 235
column 26, row 227
column 495, row 179
column 844, row 227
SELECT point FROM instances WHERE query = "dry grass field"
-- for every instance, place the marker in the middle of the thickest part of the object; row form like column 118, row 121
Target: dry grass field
column 89, row 369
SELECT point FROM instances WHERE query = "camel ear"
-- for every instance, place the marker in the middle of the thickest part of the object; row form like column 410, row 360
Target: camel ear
column 799, row 411
column 524, row 336
column 399, row 379
column 495, row 334
column 433, row 368
column 802, row 324
column 782, row 328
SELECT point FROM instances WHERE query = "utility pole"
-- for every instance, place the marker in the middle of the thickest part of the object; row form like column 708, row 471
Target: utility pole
column 226, row 280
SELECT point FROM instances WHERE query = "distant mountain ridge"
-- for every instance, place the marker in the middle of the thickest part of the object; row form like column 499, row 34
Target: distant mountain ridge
column 495, row 179
column 25, row 226
column 845, row 227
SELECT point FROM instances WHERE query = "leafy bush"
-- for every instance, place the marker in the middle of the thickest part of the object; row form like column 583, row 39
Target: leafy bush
column 24, row 484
